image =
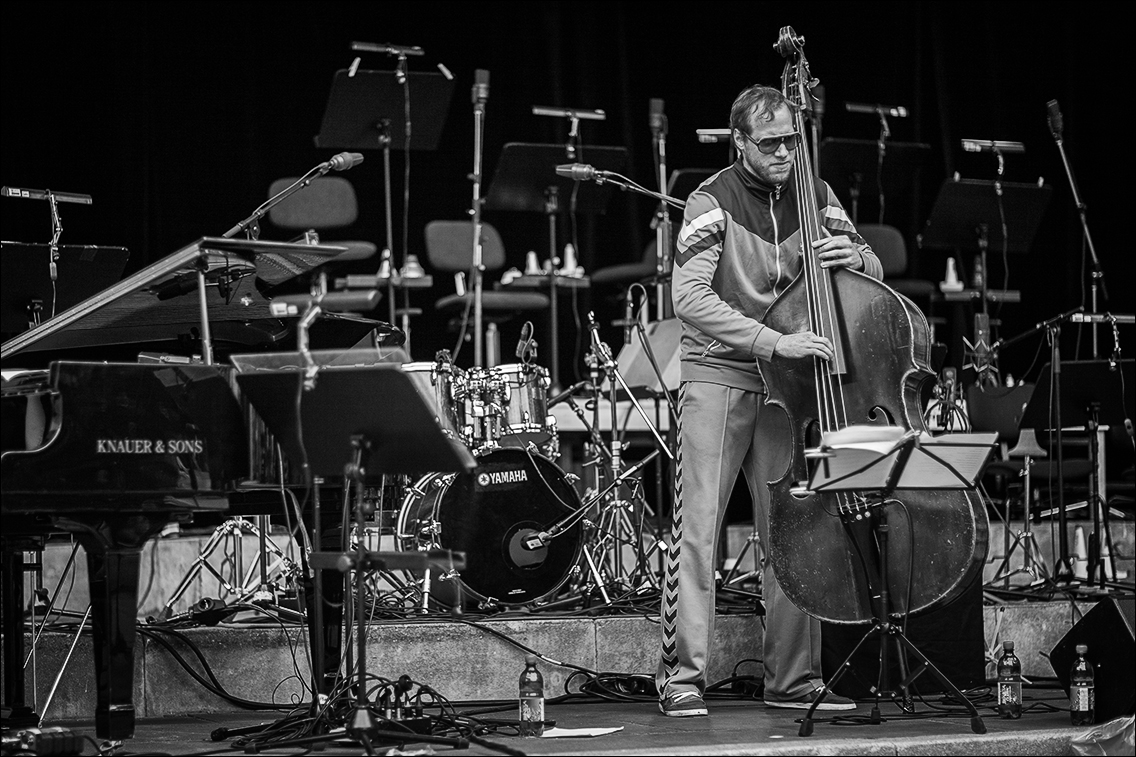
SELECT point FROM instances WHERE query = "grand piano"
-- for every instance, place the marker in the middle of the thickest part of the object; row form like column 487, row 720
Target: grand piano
column 112, row 451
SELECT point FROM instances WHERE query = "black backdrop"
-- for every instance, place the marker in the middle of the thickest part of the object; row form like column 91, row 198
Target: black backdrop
column 177, row 116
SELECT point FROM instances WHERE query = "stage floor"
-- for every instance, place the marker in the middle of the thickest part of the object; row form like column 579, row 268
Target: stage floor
column 734, row 727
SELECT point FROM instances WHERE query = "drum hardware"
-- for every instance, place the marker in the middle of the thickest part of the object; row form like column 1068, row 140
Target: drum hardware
column 263, row 591
column 614, row 549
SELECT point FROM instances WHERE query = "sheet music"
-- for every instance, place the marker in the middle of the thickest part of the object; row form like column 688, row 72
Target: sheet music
column 864, row 458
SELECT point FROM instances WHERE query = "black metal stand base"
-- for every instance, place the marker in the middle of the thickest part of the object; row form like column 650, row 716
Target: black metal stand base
column 889, row 633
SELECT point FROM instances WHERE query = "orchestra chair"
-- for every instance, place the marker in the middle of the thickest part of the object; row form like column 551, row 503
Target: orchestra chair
column 449, row 247
column 888, row 244
column 327, row 204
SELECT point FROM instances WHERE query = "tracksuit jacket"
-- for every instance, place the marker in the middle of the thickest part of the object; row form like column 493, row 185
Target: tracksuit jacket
column 739, row 247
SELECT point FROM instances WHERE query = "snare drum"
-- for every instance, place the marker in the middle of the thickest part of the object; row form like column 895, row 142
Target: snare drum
column 439, row 383
column 491, row 514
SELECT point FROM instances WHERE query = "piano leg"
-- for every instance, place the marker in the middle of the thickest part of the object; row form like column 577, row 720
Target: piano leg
column 114, row 558
column 20, row 714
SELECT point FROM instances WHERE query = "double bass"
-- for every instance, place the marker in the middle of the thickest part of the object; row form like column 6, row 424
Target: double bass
column 822, row 545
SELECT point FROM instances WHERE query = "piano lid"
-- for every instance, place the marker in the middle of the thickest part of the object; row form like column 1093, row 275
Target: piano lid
column 159, row 302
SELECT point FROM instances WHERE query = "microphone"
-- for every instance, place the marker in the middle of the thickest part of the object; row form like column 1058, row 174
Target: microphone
column 386, row 47
column 581, row 172
column 344, row 160
column 536, row 541
column 361, row 300
column 895, row 111
column 480, row 92
column 176, row 287
column 567, row 393
column 525, row 340
column 657, row 120
column 1056, row 121
column 992, row 145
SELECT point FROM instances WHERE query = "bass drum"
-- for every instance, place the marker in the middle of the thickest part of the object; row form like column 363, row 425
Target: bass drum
column 490, row 514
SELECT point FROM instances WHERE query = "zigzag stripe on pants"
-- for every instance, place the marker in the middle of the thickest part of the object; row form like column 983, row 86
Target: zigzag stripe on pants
column 670, row 581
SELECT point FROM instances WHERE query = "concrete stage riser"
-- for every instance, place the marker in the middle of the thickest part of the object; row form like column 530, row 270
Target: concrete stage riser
column 460, row 661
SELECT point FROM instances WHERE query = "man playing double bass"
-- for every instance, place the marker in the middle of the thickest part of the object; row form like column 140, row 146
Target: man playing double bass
column 739, row 247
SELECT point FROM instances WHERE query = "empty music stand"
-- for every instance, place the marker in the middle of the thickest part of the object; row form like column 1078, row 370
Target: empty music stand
column 1000, row 410
column 850, row 164
column 968, row 215
column 902, row 460
column 367, row 111
column 29, row 296
column 526, row 180
column 1092, row 390
column 335, row 428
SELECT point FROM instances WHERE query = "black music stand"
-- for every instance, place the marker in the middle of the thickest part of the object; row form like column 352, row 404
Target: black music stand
column 968, row 215
column 848, row 165
column 357, row 106
column 366, row 111
column 526, row 172
column 28, row 296
column 330, row 421
column 526, row 180
column 1088, row 389
column 908, row 460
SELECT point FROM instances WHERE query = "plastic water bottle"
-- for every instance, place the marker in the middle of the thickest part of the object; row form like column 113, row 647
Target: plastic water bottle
column 1009, row 683
column 1082, row 692
column 531, row 699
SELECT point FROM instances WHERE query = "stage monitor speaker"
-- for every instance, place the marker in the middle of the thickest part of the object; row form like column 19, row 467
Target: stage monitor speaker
column 1107, row 631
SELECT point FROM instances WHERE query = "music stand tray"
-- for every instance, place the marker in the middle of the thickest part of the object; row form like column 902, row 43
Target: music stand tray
column 377, row 402
column 963, row 205
column 358, row 104
column 82, row 271
column 526, row 171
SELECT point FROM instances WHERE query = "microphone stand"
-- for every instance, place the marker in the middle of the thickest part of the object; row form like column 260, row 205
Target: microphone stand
column 881, row 151
column 251, row 227
column 1098, row 274
column 664, row 308
column 1063, row 567
column 479, row 95
column 388, row 252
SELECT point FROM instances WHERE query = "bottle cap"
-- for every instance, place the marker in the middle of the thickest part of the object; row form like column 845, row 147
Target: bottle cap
column 530, row 659
column 1082, row 648
column 1007, row 646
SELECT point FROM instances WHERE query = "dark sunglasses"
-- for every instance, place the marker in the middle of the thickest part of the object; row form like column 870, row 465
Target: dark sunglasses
column 769, row 145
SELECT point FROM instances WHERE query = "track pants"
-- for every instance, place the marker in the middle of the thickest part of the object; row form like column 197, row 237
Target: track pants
column 722, row 430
